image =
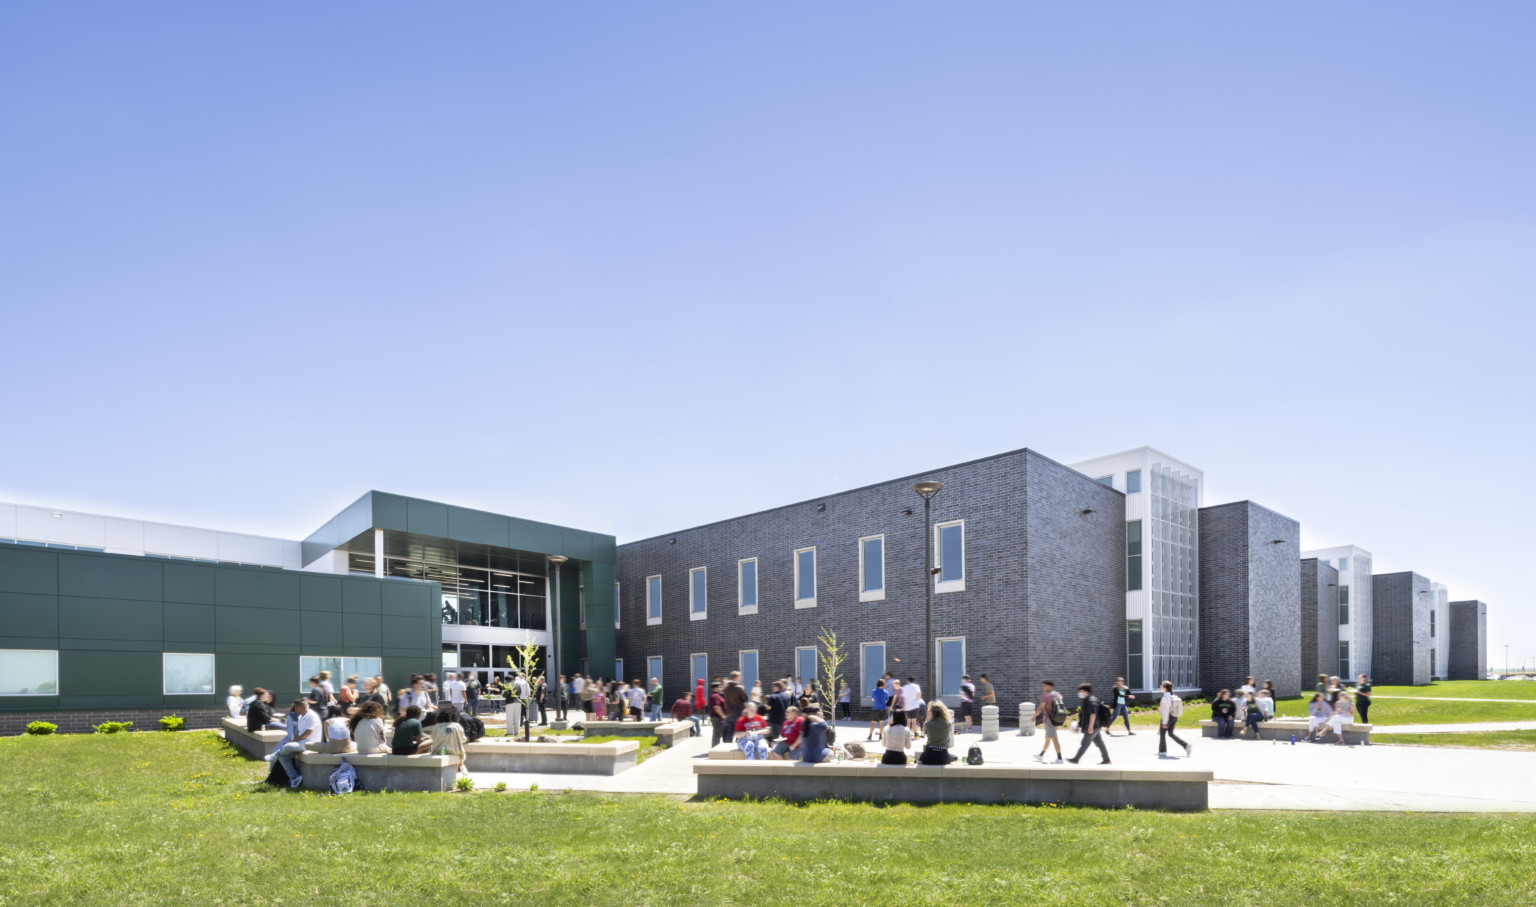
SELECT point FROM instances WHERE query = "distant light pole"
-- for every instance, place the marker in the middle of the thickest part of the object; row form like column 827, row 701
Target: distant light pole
column 556, row 560
column 927, row 490
column 1506, row 658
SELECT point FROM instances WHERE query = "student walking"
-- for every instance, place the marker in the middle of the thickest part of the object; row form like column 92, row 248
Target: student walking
column 1121, row 697
column 1088, row 722
column 1223, row 712
column 845, row 702
column 967, row 701
column 1049, row 715
column 472, row 692
column 880, row 699
column 912, row 704
column 1168, row 711
column 736, row 698
column 1363, row 699
column 717, row 716
column 988, row 693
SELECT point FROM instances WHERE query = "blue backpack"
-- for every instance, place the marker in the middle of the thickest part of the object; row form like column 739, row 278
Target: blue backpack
column 343, row 779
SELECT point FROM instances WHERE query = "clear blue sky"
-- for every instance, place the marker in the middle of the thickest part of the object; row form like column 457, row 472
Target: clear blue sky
column 632, row 267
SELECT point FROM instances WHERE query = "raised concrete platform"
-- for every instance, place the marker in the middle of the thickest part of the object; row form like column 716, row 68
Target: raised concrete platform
column 727, row 751
column 667, row 733
column 1283, row 728
column 1103, row 786
column 260, row 744
column 499, row 754
column 381, row 772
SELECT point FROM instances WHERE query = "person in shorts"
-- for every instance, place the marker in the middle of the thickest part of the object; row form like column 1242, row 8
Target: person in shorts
column 1050, row 700
column 880, row 698
column 967, row 701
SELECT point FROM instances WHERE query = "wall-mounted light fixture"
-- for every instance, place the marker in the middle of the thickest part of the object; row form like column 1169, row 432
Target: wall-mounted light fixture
column 821, row 508
column 1089, row 510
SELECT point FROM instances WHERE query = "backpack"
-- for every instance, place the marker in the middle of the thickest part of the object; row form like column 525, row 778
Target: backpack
column 1176, row 707
column 1058, row 712
column 343, row 778
column 1106, row 714
column 973, row 755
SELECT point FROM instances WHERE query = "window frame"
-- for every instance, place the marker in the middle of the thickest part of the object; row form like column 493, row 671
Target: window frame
column 941, row 585
column 694, row 613
column 693, row 681
column 872, row 595
column 1107, row 481
column 1128, row 483
column 1136, row 677
column 816, row 656
column 1141, row 550
column 649, row 620
column 868, row 683
column 618, row 668
column 757, row 663
column 805, row 602
column 660, row 665
column 57, row 682
column 938, row 664
column 618, row 599
column 213, row 659
column 742, row 608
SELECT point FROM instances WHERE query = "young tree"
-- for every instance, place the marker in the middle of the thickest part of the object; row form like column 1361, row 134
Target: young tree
column 525, row 659
column 830, row 658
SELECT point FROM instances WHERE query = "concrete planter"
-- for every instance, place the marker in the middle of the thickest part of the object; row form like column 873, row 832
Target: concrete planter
column 381, row 772
column 260, row 744
column 499, row 754
column 667, row 733
column 1284, row 728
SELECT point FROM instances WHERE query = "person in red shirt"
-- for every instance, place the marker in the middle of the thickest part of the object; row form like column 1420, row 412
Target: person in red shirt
column 788, row 746
column 752, row 732
column 682, row 710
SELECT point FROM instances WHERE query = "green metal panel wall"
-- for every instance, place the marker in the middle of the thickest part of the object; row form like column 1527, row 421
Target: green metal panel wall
column 111, row 616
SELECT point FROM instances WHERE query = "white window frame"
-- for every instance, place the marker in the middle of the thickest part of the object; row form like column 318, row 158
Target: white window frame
column 693, row 681
column 805, row 602
column 868, row 683
column 758, row 656
column 658, row 675
column 649, row 620
column 617, row 598
column 816, row 675
column 57, row 681
column 1128, row 474
column 741, row 589
column 694, row 613
column 872, row 595
column 954, row 585
column 938, row 663
column 211, row 655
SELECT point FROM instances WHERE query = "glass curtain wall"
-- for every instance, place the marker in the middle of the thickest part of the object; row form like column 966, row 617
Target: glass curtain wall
column 1175, row 582
column 475, row 596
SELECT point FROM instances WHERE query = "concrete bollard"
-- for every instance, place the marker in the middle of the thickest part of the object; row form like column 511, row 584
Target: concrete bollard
column 989, row 722
column 1026, row 719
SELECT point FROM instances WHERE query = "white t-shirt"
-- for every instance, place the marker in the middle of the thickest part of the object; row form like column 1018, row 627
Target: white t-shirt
column 911, row 696
column 455, row 691
column 309, row 721
column 636, row 697
column 337, row 729
column 520, row 686
column 1247, row 688
column 234, row 703
column 896, row 737
column 578, row 685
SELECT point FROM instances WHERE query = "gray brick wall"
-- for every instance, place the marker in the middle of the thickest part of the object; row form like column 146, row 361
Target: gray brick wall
column 1250, row 597
column 1319, row 620
column 84, row 721
column 1469, row 641
column 1044, row 593
column 1400, row 647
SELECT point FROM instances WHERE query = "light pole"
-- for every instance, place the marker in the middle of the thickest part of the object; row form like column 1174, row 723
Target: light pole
column 1506, row 659
column 556, row 560
column 927, row 490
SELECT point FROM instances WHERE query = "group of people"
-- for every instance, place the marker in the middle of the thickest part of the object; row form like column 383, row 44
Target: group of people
column 364, row 718
column 601, row 699
column 1095, row 718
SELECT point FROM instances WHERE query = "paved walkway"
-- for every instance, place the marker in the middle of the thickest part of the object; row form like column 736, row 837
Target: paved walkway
column 1249, row 774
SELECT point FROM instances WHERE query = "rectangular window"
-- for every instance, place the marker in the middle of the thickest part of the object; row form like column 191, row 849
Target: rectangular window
column 698, row 666
column 949, row 542
column 746, row 586
column 1344, row 658
column 1343, row 617
column 1431, row 624
column 617, row 609
column 618, row 669
column 872, row 568
column 805, row 665
column 1343, row 565
column 871, row 669
column 1133, row 484
column 652, row 669
column 312, row 665
column 698, row 593
column 1432, row 671
column 805, row 578
column 186, row 674
column 1133, row 656
column 29, row 672
column 652, row 600
column 1132, row 555
column 1106, row 481
column 747, row 665
column 1343, row 595
column 951, row 664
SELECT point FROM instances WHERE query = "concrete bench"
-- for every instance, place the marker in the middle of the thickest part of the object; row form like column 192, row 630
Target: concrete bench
column 667, row 733
column 1284, row 728
column 381, row 772
column 727, row 751
column 260, row 744
column 500, row 754
column 1103, row 786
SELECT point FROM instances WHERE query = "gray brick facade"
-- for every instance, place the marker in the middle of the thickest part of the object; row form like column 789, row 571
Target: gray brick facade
column 1319, row 620
column 1250, row 597
column 1400, row 648
column 1469, row 641
column 1044, row 595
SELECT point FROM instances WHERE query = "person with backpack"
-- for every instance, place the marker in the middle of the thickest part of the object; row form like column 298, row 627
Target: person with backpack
column 1092, row 715
column 1050, row 714
column 880, row 699
column 472, row 692
column 1122, row 697
column 1168, row 711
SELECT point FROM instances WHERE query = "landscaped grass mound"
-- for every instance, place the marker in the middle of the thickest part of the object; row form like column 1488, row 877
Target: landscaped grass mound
column 178, row 818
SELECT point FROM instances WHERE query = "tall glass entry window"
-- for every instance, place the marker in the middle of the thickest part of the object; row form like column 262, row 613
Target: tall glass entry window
column 951, row 654
column 1133, row 661
column 805, row 667
column 748, row 667
column 871, row 669
column 484, row 588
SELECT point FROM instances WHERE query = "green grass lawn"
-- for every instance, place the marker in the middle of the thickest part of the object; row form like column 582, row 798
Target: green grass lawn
column 1468, row 689
column 1393, row 711
column 1493, row 740
column 155, row 818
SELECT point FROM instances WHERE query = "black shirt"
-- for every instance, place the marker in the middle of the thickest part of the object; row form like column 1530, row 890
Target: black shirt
column 1090, row 709
column 1223, row 708
column 777, row 703
column 257, row 716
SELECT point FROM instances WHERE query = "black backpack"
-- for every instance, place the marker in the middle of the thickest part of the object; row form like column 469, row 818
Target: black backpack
column 1106, row 715
column 973, row 755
